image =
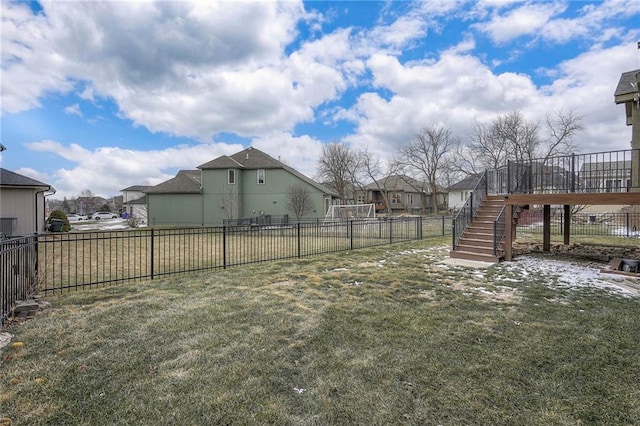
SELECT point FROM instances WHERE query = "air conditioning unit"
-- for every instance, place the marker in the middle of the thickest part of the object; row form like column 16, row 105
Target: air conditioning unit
column 8, row 226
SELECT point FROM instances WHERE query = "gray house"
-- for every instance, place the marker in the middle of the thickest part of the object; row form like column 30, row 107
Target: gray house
column 459, row 192
column 399, row 194
column 134, row 202
column 22, row 206
column 247, row 184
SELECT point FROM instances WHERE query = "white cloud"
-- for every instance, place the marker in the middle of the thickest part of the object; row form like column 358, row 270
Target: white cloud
column 107, row 170
column 457, row 90
column 524, row 20
column 73, row 110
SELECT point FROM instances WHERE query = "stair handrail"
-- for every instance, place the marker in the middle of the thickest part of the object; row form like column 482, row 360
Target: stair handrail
column 466, row 214
column 499, row 230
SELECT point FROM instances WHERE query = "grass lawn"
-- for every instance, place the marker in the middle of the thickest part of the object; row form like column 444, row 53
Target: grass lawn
column 387, row 335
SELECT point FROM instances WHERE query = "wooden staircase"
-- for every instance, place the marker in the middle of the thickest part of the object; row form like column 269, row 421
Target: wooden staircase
column 476, row 242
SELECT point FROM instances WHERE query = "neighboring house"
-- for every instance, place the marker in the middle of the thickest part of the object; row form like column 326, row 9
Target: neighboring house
column 247, row 184
column 606, row 176
column 134, row 201
column 459, row 192
column 177, row 201
column 22, row 206
column 404, row 195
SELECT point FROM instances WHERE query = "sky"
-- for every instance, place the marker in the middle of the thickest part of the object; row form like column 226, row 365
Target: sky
column 106, row 95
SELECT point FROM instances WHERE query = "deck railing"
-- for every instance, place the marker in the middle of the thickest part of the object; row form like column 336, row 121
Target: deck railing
column 462, row 219
column 608, row 171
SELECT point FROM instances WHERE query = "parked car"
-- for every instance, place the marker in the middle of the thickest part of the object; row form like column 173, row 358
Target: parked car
column 72, row 217
column 103, row 215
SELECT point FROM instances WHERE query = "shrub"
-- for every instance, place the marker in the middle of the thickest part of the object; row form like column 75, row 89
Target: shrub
column 59, row 214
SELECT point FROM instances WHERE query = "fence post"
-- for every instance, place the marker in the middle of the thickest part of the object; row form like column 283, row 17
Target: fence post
column 35, row 262
column 573, row 172
column 151, row 253
column 486, row 182
column 453, row 234
column 351, row 234
column 224, row 247
column 627, row 225
column 391, row 230
column 298, row 237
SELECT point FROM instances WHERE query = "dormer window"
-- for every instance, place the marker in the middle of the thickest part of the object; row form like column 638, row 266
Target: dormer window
column 261, row 177
column 231, row 174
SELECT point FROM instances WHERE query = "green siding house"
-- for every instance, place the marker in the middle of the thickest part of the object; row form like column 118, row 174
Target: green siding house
column 249, row 183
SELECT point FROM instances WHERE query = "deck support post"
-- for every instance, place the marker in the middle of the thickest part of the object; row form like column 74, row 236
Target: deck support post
column 546, row 228
column 567, row 224
column 508, row 237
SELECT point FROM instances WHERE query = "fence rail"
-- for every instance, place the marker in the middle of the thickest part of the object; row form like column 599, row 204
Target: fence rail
column 54, row 262
column 18, row 272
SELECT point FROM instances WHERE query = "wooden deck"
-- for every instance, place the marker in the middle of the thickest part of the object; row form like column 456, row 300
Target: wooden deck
column 573, row 199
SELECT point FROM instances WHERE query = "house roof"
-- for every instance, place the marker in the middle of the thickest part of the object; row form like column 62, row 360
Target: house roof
column 470, row 182
column 185, row 182
column 606, row 165
column 139, row 188
column 397, row 183
column 626, row 85
column 252, row 158
column 9, row 178
column 138, row 201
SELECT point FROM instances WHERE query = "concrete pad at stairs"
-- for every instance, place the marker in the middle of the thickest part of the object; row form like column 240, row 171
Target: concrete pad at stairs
column 467, row 263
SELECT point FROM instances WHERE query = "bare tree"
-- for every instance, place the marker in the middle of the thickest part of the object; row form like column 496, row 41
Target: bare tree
column 299, row 201
column 426, row 158
column 511, row 137
column 561, row 129
column 371, row 169
column 229, row 203
column 336, row 168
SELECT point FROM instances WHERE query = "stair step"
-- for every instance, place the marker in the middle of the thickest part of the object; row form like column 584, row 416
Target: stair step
column 475, row 249
column 474, row 256
column 476, row 242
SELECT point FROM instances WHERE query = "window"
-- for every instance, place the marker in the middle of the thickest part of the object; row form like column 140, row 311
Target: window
column 409, row 198
column 360, row 199
column 395, row 198
column 231, row 176
column 260, row 176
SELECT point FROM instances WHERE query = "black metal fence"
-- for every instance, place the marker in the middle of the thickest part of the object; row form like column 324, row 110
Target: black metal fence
column 52, row 262
column 619, row 224
column 18, row 272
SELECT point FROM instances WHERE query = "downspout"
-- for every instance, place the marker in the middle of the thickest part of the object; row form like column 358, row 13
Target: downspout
column 44, row 204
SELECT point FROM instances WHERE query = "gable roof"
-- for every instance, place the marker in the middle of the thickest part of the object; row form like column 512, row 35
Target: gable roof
column 9, row 178
column 470, row 182
column 185, row 182
column 626, row 86
column 142, row 201
column 252, row 158
column 139, row 188
column 602, row 166
column 397, row 183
